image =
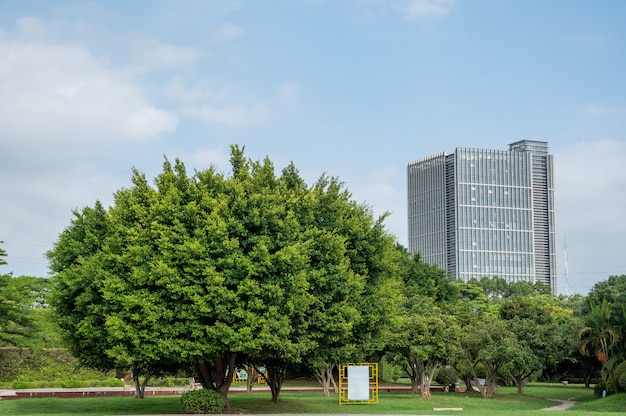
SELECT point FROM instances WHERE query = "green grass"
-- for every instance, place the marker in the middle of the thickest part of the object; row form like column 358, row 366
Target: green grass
column 506, row 402
column 91, row 406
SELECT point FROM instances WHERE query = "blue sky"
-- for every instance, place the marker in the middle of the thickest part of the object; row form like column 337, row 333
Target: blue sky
column 351, row 88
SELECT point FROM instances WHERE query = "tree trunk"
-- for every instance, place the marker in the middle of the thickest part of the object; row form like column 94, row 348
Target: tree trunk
column 253, row 374
column 140, row 386
column 414, row 374
column 324, row 376
column 275, row 376
column 472, row 368
column 519, row 382
column 334, row 383
column 225, row 369
column 491, row 380
column 224, row 366
column 427, row 379
column 468, row 383
column 425, row 388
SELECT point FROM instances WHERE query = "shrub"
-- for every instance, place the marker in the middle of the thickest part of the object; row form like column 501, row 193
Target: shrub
column 202, row 401
column 170, row 382
column 389, row 371
column 22, row 368
column 620, row 376
column 602, row 386
column 447, row 376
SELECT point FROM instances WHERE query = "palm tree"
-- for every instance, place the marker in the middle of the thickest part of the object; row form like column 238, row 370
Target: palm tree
column 600, row 333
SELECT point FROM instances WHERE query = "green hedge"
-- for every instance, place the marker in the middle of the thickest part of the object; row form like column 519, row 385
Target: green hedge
column 37, row 368
column 202, row 401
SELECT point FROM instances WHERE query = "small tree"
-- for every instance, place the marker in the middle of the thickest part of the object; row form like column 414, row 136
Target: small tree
column 16, row 320
column 424, row 336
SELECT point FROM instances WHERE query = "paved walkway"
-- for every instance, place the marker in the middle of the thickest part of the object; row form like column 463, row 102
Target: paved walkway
column 563, row 405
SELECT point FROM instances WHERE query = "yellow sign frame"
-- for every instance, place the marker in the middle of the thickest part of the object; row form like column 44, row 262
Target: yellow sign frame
column 373, row 384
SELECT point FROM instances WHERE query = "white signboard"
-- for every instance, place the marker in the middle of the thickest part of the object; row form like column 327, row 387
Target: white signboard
column 358, row 382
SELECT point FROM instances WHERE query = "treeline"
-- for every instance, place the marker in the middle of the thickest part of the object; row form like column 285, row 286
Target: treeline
column 207, row 272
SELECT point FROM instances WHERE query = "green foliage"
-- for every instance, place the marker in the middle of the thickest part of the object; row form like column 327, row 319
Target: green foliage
column 544, row 328
column 207, row 269
column 170, row 381
column 202, row 401
column 603, row 332
column 599, row 331
column 620, row 376
column 604, row 386
column 447, row 376
column 613, row 290
column 28, row 368
column 424, row 334
column 389, row 371
column 16, row 303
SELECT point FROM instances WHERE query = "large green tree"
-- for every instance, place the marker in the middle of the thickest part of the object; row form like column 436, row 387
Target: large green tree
column 212, row 270
column 544, row 329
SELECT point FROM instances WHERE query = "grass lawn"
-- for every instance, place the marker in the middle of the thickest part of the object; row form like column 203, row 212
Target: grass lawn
column 506, row 402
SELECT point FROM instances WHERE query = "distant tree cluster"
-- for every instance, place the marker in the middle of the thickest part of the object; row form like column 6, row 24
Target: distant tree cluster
column 24, row 318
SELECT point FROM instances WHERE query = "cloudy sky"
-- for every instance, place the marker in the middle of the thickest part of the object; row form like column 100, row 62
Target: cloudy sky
column 352, row 88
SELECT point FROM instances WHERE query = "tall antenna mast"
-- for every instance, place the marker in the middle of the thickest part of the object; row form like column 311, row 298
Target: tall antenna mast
column 566, row 268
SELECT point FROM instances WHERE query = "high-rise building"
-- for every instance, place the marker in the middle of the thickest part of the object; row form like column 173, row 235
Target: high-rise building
column 481, row 212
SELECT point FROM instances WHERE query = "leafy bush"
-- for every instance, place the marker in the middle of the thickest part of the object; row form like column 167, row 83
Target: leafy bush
column 170, row 382
column 447, row 376
column 390, row 371
column 603, row 386
column 26, row 368
column 202, row 401
column 44, row 364
column 620, row 376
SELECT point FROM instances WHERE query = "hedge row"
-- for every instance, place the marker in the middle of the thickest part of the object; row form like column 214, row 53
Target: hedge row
column 25, row 366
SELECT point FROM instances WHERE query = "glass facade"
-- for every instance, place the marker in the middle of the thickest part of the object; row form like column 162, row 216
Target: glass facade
column 481, row 212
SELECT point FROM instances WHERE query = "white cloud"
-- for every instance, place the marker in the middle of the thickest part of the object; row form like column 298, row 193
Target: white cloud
column 33, row 29
column 226, row 32
column 594, row 109
column 383, row 188
column 592, row 173
column 203, row 158
column 410, row 9
column 148, row 53
column 233, row 116
column 288, row 92
column 178, row 89
column 64, row 111
column 591, row 187
column 40, row 209
column 417, row 9
column 591, row 201
column 63, row 92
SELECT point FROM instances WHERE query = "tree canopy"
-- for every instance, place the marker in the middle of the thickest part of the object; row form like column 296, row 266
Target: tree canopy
column 16, row 304
column 211, row 270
